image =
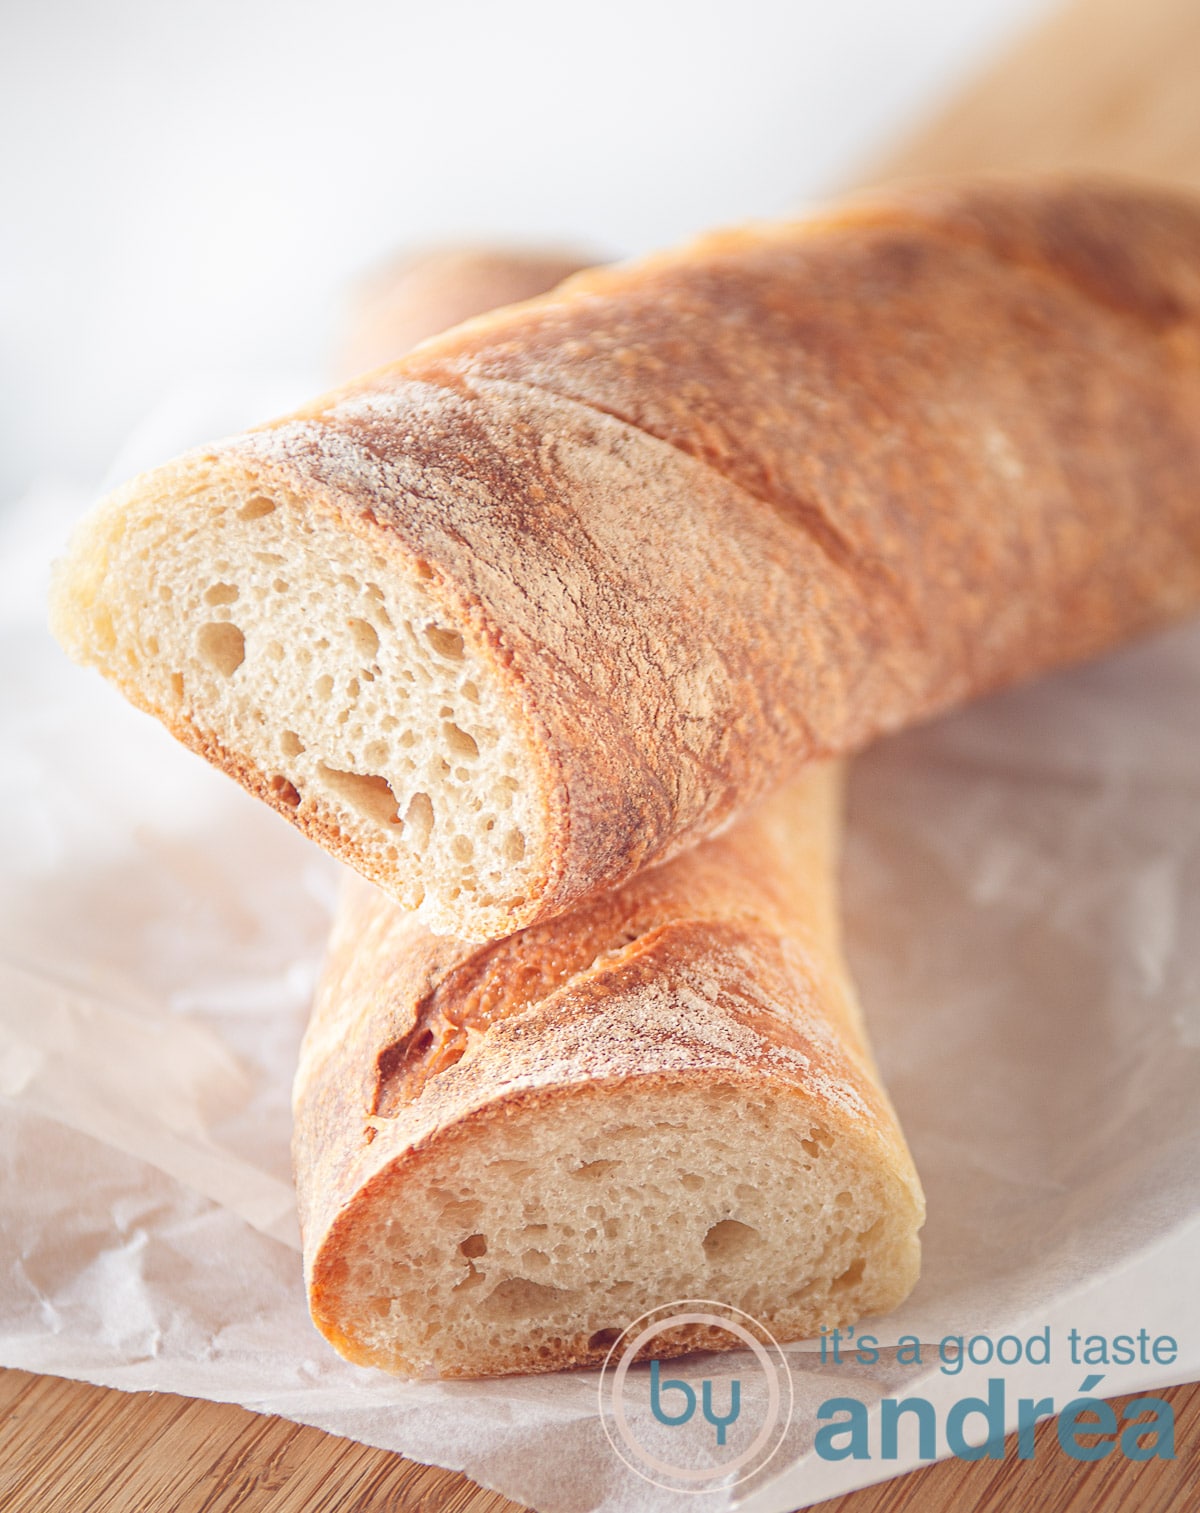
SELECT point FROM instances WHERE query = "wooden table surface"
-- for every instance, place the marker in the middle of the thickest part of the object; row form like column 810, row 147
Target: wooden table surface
column 66, row 1447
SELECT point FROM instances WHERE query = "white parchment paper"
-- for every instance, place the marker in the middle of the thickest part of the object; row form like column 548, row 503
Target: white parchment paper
column 1022, row 897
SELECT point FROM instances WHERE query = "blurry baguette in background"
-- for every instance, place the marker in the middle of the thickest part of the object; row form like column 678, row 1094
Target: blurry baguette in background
column 423, row 294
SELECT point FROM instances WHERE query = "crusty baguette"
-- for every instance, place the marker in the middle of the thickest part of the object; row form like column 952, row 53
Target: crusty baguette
column 505, row 1154
column 422, row 294
column 399, row 1008
column 551, row 598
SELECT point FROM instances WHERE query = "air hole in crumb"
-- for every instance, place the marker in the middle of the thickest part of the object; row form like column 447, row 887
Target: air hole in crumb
column 459, row 741
column 729, row 1240
column 420, row 1047
column 323, row 686
column 290, row 744
column 521, row 1298
column 418, row 820
column 514, row 845
column 462, row 848
column 221, row 593
column 285, row 791
column 221, row 646
column 511, row 1170
column 592, row 1171
column 852, row 1275
column 470, row 693
column 692, row 1182
column 365, row 638
column 462, row 1212
column 474, row 1245
column 369, row 794
column 447, row 643
column 177, row 684
column 275, row 651
column 604, row 1339
column 256, row 508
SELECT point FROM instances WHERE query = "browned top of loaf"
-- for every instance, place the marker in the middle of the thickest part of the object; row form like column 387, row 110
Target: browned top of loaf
column 935, row 387
column 725, row 961
column 765, row 498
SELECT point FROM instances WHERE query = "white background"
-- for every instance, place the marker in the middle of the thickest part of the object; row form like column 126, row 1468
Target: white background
column 186, row 190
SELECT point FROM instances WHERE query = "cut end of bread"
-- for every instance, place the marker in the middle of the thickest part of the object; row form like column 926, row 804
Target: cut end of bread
column 324, row 674
column 533, row 1249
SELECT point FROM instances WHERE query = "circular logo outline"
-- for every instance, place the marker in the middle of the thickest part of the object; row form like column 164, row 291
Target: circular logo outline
column 668, row 1318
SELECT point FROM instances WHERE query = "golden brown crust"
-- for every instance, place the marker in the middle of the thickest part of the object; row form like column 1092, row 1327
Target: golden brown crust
column 764, row 499
column 908, row 457
column 721, row 968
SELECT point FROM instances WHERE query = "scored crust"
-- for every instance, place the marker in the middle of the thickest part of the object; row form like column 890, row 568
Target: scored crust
column 505, row 1154
column 714, row 513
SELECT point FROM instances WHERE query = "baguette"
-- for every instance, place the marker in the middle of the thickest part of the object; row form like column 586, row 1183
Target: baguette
column 505, row 1154
column 421, row 295
column 407, row 1008
column 550, row 599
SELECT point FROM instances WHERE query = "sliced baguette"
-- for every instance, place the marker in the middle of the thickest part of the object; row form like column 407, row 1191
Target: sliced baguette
column 506, row 1154
column 550, row 599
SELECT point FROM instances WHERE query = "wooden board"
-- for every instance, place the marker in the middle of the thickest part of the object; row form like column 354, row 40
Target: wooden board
column 1111, row 84
column 67, row 1446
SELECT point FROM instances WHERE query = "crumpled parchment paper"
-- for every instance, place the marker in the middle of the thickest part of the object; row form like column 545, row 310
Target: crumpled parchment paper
column 1022, row 903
